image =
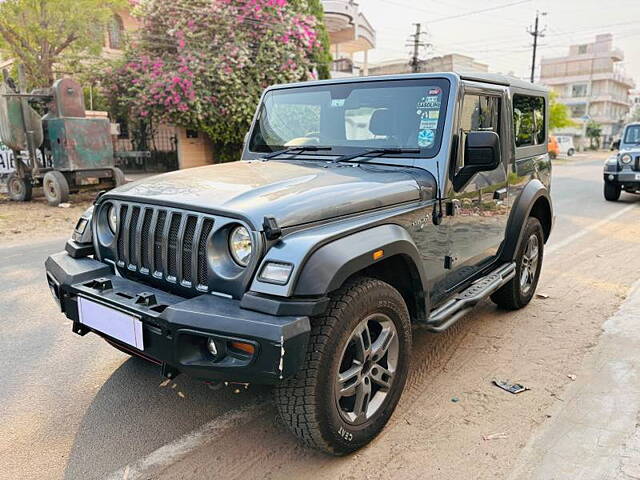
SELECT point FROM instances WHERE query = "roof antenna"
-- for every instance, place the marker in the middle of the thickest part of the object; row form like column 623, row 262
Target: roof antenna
column 437, row 216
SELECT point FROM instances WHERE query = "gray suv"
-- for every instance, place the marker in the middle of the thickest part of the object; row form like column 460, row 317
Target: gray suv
column 361, row 208
column 622, row 171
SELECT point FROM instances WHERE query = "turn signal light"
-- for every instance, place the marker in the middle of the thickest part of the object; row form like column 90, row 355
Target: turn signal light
column 378, row 254
column 244, row 347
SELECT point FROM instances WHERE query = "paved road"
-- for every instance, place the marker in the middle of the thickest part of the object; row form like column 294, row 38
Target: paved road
column 74, row 408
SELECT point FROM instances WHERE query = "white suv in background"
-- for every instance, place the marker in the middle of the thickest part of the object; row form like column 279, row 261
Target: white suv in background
column 565, row 144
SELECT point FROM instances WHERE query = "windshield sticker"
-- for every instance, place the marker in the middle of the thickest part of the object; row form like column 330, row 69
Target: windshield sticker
column 426, row 138
column 428, row 124
column 434, row 114
column 338, row 102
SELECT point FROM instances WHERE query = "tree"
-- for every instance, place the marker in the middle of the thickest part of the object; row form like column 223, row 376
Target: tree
column 321, row 54
column 593, row 132
column 202, row 64
column 41, row 34
column 558, row 114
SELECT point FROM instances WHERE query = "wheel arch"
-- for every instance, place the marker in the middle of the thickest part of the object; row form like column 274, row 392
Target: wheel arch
column 333, row 264
column 533, row 201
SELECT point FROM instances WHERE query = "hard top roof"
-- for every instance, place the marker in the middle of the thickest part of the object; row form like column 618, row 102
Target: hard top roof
column 493, row 78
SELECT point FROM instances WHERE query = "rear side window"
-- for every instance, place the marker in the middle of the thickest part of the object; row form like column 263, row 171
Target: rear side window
column 528, row 120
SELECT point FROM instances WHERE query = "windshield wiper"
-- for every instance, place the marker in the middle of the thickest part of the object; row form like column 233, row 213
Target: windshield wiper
column 305, row 148
column 375, row 152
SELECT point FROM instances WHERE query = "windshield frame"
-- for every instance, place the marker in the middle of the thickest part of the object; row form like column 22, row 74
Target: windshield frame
column 628, row 141
column 338, row 150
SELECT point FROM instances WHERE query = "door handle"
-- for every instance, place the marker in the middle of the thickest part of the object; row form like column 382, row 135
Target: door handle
column 500, row 194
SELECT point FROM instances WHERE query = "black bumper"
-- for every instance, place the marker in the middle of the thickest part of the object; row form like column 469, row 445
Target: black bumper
column 176, row 329
column 627, row 179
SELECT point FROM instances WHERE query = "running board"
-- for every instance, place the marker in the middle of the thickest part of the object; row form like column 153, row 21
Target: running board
column 453, row 310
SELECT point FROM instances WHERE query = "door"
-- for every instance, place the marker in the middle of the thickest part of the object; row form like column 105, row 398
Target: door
column 480, row 208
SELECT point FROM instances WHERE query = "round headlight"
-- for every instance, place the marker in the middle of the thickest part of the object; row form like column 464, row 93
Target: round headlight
column 626, row 159
column 112, row 218
column 240, row 245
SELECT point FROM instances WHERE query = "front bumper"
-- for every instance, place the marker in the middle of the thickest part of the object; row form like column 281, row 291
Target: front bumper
column 626, row 178
column 176, row 329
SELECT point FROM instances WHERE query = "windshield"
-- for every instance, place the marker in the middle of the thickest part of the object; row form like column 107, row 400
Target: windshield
column 632, row 134
column 353, row 116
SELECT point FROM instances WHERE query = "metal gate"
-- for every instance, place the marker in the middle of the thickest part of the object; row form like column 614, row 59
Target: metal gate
column 144, row 146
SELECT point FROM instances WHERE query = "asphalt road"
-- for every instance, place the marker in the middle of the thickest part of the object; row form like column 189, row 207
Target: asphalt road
column 73, row 407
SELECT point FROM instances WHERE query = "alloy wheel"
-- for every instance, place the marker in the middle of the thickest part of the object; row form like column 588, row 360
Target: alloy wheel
column 529, row 266
column 367, row 369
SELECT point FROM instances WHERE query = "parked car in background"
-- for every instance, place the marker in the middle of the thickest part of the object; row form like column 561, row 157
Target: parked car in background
column 622, row 171
column 553, row 147
column 565, row 145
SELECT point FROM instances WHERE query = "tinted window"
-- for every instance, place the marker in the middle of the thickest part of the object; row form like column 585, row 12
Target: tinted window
column 528, row 120
column 479, row 112
column 350, row 116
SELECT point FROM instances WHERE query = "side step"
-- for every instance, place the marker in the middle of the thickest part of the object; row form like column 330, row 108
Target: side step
column 446, row 315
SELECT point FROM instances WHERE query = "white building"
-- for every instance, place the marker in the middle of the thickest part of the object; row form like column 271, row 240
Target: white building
column 350, row 35
column 453, row 62
column 590, row 80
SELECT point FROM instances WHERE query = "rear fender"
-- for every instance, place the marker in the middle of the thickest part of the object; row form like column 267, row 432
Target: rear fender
column 534, row 199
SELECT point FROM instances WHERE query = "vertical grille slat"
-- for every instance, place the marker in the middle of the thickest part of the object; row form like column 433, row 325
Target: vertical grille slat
column 194, row 252
column 187, row 248
column 145, row 236
column 123, row 215
column 173, row 246
column 203, row 274
column 133, row 233
column 157, row 242
column 166, row 243
column 126, row 232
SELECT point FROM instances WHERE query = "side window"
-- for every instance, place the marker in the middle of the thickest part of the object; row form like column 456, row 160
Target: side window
column 479, row 112
column 528, row 120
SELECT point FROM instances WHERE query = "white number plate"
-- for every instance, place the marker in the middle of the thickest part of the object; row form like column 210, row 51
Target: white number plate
column 123, row 327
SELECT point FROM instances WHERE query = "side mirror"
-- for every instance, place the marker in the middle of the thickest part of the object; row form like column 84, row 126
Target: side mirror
column 481, row 154
column 615, row 145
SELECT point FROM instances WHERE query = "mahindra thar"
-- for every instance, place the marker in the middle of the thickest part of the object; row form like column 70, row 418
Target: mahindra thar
column 360, row 209
column 622, row 171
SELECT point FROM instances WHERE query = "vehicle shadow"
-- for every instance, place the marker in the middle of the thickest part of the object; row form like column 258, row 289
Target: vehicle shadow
column 136, row 411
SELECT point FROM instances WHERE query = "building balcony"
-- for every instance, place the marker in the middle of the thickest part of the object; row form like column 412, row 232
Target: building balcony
column 349, row 30
column 558, row 80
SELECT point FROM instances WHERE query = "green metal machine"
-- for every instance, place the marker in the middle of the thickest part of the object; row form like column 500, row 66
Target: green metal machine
column 62, row 151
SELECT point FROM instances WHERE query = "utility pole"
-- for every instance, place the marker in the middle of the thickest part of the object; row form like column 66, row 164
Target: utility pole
column 417, row 43
column 535, row 32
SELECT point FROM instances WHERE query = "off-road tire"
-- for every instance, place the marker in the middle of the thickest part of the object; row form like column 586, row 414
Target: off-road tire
column 19, row 189
column 55, row 188
column 511, row 296
column 612, row 192
column 306, row 401
column 118, row 177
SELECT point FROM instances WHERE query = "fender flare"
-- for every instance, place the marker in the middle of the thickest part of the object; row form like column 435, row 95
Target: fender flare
column 331, row 265
column 521, row 210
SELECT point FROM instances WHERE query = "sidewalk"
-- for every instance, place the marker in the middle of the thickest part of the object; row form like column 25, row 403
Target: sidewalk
column 595, row 431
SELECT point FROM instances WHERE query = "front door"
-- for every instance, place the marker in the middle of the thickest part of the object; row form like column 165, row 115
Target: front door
column 480, row 208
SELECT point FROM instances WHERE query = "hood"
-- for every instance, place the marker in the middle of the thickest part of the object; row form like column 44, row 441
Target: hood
column 294, row 192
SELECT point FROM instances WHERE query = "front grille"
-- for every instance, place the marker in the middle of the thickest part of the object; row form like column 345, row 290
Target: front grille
column 165, row 243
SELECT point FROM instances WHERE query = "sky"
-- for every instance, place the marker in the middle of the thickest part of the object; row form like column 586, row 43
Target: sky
column 499, row 36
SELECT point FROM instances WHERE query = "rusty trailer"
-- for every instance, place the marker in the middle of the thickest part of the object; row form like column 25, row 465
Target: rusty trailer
column 63, row 151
